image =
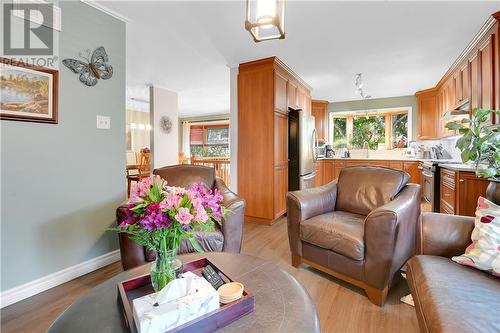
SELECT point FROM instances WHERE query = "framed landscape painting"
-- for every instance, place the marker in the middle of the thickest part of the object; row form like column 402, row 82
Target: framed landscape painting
column 28, row 93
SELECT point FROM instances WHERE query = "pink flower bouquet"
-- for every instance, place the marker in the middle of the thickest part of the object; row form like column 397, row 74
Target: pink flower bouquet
column 159, row 217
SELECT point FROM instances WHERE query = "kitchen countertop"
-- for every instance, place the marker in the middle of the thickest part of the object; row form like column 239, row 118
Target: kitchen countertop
column 458, row 167
column 376, row 159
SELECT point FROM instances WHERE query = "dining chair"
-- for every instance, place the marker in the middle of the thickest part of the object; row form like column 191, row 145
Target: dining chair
column 143, row 168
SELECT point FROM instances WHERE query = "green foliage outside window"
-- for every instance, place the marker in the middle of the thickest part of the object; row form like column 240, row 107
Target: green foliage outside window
column 368, row 131
column 400, row 130
column 210, row 151
column 339, row 133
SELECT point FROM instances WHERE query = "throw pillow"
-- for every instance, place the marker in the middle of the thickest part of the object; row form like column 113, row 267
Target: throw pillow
column 484, row 252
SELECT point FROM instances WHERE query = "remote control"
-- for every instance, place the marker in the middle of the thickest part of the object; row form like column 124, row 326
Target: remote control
column 212, row 277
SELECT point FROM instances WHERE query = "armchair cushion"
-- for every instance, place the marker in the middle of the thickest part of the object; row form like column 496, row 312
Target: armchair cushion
column 341, row 232
column 363, row 189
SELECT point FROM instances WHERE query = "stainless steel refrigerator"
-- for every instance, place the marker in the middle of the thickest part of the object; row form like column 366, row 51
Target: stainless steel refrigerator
column 301, row 150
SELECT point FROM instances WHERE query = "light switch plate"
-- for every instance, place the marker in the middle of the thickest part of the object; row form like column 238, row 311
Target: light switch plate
column 103, row 122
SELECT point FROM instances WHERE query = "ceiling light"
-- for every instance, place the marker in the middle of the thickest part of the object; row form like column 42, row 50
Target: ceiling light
column 148, row 127
column 133, row 125
column 142, row 127
column 265, row 19
column 359, row 86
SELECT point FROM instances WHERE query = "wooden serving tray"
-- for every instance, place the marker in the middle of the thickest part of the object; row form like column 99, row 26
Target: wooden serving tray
column 227, row 313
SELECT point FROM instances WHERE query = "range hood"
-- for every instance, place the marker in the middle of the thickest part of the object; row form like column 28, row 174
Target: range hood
column 462, row 108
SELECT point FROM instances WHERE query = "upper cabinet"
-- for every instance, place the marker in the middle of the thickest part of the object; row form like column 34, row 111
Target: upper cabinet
column 319, row 111
column 472, row 81
column 292, row 94
column 428, row 109
column 487, row 64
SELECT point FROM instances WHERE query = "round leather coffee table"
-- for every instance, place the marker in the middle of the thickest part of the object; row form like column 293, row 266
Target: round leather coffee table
column 281, row 302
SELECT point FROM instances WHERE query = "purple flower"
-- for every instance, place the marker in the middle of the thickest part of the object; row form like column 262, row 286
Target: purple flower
column 183, row 216
column 154, row 219
column 130, row 218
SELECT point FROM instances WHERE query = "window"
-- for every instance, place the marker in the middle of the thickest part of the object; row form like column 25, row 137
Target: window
column 368, row 132
column 370, row 129
column 339, row 132
column 209, row 140
column 399, row 130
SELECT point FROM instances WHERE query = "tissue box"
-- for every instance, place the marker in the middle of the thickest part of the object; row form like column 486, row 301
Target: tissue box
column 139, row 286
column 181, row 301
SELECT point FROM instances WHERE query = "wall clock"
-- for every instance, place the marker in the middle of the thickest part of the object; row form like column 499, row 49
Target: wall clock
column 165, row 124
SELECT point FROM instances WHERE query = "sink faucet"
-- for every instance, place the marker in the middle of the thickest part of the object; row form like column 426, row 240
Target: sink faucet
column 365, row 146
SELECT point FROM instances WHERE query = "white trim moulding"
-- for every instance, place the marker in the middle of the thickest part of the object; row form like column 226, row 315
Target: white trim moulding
column 106, row 10
column 37, row 286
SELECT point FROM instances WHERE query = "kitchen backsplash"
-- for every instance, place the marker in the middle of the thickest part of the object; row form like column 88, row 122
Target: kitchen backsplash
column 448, row 145
column 382, row 154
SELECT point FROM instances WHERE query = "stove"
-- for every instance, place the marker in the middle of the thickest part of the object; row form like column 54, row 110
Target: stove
column 431, row 181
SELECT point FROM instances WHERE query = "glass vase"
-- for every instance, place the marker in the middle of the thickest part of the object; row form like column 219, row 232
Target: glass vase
column 165, row 268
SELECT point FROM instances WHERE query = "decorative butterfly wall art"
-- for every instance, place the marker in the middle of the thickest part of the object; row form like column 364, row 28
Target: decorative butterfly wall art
column 92, row 68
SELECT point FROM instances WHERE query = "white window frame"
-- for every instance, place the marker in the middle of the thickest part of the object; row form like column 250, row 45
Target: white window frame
column 408, row 109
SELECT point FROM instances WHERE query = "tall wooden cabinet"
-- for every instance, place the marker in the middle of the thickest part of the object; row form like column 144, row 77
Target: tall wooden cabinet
column 266, row 89
column 472, row 81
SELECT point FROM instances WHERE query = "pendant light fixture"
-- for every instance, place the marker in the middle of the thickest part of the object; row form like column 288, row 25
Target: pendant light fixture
column 265, row 19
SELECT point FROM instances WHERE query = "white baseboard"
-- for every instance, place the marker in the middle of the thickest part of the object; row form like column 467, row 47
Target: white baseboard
column 29, row 289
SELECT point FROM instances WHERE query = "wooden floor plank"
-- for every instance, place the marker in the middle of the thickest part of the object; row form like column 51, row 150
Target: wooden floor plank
column 341, row 307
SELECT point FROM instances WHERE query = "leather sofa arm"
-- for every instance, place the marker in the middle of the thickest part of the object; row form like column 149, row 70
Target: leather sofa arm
column 132, row 254
column 390, row 233
column 304, row 204
column 444, row 235
column 232, row 226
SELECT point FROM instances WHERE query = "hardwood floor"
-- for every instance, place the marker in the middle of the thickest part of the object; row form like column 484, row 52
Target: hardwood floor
column 341, row 307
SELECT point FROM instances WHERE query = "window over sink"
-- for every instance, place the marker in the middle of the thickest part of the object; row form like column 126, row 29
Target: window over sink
column 370, row 129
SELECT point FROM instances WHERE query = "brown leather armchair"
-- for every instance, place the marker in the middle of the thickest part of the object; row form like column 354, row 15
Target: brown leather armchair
column 226, row 238
column 359, row 228
column 450, row 297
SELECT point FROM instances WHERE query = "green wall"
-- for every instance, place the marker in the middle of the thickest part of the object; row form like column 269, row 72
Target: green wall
column 61, row 184
column 379, row 103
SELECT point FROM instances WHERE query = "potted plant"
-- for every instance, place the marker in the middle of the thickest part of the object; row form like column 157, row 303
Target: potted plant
column 160, row 216
column 480, row 144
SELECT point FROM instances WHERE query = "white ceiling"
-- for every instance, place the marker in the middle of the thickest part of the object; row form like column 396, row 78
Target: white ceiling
column 400, row 47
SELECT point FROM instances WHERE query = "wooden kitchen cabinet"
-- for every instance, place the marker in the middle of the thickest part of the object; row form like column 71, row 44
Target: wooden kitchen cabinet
column 280, row 190
column 412, row 168
column 398, row 165
column 470, row 188
column 459, row 191
column 304, row 99
column 331, row 168
column 427, row 114
column 338, row 166
column 474, row 78
column 463, row 84
column 447, row 192
column 318, row 181
column 329, row 171
column 319, row 111
column 292, row 94
column 280, row 96
column 266, row 88
column 487, row 75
